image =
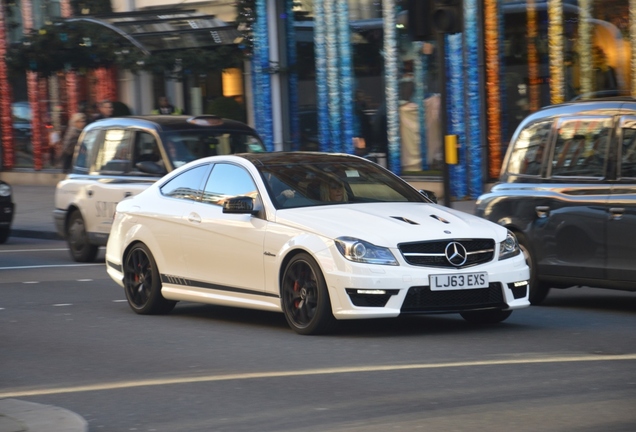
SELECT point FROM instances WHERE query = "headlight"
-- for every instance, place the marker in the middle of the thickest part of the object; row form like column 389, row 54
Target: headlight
column 5, row 189
column 364, row 252
column 509, row 247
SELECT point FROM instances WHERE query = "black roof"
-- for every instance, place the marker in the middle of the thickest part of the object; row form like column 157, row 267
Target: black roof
column 166, row 123
column 294, row 157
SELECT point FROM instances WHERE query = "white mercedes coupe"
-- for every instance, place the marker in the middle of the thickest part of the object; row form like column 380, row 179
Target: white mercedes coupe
column 320, row 237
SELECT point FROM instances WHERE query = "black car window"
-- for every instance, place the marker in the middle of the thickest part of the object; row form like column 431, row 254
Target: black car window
column 186, row 185
column 228, row 181
column 114, row 155
column 581, row 147
column 145, row 148
column 628, row 153
column 528, row 150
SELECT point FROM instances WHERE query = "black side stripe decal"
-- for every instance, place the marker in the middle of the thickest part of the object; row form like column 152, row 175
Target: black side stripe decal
column 176, row 280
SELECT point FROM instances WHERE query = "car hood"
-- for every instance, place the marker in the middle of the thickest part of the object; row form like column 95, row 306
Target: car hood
column 386, row 224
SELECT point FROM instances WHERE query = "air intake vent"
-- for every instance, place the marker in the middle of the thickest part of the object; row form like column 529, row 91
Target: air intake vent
column 403, row 219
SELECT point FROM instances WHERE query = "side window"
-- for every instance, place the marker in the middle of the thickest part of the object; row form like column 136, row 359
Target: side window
column 581, row 147
column 86, row 150
column 228, row 181
column 186, row 185
column 145, row 148
column 529, row 149
column 114, row 155
column 628, row 156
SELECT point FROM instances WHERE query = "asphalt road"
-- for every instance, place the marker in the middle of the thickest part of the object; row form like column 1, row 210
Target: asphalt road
column 69, row 339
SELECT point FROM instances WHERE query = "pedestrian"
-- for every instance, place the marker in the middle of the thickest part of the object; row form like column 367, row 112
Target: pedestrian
column 165, row 107
column 55, row 140
column 105, row 109
column 75, row 126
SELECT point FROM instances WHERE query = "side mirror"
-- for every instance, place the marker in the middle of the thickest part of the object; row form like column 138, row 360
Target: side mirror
column 239, row 205
column 429, row 195
column 149, row 167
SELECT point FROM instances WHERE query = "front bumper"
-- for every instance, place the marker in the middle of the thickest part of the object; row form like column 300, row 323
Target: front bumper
column 7, row 210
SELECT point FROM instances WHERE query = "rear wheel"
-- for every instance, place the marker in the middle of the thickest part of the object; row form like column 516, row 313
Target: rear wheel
column 77, row 238
column 485, row 316
column 538, row 290
column 305, row 298
column 142, row 283
column 4, row 234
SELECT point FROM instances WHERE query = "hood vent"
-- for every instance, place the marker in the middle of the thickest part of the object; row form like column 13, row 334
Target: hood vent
column 403, row 219
column 441, row 219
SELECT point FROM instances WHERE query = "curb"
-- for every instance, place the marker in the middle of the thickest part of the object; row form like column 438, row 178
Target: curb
column 22, row 416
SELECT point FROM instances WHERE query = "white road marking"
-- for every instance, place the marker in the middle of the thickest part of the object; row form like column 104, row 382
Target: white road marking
column 63, row 304
column 31, row 282
column 51, row 266
column 33, row 250
column 325, row 371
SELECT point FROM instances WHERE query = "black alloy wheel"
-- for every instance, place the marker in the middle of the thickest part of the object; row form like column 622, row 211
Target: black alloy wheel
column 305, row 298
column 538, row 290
column 142, row 283
column 80, row 248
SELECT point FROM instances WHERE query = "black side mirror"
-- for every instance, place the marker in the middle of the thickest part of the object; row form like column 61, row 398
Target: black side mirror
column 429, row 195
column 239, row 205
column 149, row 167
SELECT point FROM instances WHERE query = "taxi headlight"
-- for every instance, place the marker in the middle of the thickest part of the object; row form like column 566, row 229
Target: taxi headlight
column 361, row 251
column 5, row 190
column 509, row 247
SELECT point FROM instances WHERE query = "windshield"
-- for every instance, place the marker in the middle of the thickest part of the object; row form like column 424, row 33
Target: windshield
column 303, row 184
column 185, row 146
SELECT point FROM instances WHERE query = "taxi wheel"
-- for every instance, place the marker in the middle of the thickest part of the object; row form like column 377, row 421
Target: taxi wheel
column 305, row 298
column 142, row 283
column 81, row 249
column 4, row 234
column 485, row 316
column 538, row 290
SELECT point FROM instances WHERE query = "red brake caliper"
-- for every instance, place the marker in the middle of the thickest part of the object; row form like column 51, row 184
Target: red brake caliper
column 296, row 289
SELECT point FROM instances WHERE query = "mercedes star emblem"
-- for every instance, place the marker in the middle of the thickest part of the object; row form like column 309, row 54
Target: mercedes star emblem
column 456, row 254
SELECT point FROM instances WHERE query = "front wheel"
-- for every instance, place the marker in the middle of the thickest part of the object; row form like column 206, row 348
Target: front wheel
column 142, row 283
column 77, row 238
column 305, row 298
column 485, row 316
column 538, row 290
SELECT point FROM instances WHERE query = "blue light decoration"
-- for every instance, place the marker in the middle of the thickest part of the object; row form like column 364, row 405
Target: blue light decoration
column 391, row 84
column 346, row 77
column 322, row 94
column 261, row 80
column 455, row 88
column 333, row 75
column 473, row 101
column 419, row 72
column 293, row 75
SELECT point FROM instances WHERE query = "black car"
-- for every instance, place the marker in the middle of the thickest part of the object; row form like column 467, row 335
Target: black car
column 567, row 189
column 118, row 157
column 7, row 208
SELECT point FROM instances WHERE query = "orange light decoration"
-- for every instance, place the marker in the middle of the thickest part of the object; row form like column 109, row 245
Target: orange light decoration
column 555, row 38
column 533, row 58
column 71, row 79
column 6, row 122
column 493, row 96
column 106, row 85
column 584, row 46
column 632, row 34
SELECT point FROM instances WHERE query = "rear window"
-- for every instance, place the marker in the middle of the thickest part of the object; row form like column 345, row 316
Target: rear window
column 185, row 146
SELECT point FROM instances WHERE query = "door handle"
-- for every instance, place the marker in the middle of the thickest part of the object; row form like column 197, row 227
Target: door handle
column 542, row 211
column 127, row 194
column 616, row 213
column 194, row 218
column 89, row 193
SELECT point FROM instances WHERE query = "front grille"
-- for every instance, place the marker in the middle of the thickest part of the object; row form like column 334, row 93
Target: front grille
column 421, row 299
column 433, row 253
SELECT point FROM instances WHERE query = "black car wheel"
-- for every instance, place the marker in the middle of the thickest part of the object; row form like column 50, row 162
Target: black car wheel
column 485, row 316
column 81, row 249
column 538, row 290
column 305, row 298
column 4, row 234
column 142, row 283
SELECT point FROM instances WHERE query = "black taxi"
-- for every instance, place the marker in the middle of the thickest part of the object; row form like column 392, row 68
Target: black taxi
column 567, row 189
column 119, row 157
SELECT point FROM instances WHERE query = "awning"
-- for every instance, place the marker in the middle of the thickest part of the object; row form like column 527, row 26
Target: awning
column 168, row 29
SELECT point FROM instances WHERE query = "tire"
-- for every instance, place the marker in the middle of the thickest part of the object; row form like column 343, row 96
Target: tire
column 142, row 283
column 79, row 246
column 305, row 298
column 4, row 234
column 485, row 316
column 538, row 290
